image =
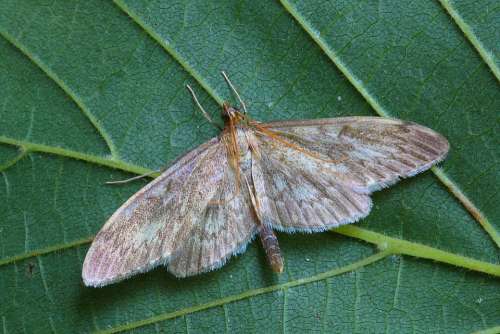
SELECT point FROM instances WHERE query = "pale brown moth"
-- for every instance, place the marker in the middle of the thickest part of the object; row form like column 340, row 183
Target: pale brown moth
column 292, row 176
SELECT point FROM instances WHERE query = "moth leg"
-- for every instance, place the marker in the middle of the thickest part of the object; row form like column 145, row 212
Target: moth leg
column 134, row 178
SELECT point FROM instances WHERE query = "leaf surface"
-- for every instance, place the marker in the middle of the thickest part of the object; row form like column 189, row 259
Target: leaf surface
column 94, row 91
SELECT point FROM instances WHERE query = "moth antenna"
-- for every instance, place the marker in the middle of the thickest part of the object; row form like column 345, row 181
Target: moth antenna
column 243, row 106
column 133, row 178
column 204, row 113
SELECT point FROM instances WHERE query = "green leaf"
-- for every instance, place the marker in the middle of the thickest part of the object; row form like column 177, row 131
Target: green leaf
column 94, row 91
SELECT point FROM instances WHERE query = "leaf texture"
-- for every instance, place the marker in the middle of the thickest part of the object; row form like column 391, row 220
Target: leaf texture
column 94, row 91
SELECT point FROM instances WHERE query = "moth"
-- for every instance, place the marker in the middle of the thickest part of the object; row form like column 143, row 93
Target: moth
column 254, row 178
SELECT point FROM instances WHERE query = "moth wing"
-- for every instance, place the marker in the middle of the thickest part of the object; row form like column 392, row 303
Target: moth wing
column 295, row 199
column 368, row 153
column 146, row 230
column 318, row 174
column 225, row 228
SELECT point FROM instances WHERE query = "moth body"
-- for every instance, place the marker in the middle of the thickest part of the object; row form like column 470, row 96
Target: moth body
column 247, row 150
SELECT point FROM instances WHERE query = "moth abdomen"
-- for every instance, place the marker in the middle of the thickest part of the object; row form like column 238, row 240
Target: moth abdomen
column 272, row 248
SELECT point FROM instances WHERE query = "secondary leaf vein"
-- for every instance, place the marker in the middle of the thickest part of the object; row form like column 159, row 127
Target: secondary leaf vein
column 170, row 49
column 69, row 92
column 467, row 30
column 248, row 294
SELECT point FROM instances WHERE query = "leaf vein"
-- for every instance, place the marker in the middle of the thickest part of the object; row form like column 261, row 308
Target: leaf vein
column 491, row 330
column 398, row 283
column 398, row 246
column 6, row 165
column 170, row 49
column 484, row 53
column 66, row 89
column 248, row 294
column 98, row 160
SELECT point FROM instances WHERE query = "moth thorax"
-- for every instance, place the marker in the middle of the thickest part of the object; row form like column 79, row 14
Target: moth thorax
column 242, row 141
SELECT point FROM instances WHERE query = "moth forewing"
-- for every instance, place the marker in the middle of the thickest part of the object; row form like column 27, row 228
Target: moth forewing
column 378, row 151
column 305, row 176
column 142, row 233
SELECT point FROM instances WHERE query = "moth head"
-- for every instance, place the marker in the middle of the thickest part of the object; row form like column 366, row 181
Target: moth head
column 229, row 112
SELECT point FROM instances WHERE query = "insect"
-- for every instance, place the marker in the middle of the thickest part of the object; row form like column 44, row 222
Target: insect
column 30, row 269
column 252, row 179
